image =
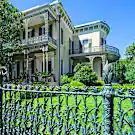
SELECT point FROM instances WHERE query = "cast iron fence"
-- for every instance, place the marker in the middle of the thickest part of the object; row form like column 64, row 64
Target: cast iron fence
column 89, row 111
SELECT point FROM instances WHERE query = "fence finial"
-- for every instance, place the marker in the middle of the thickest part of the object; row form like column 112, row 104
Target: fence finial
column 108, row 73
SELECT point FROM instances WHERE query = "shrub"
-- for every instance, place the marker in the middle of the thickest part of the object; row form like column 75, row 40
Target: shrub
column 65, row 79
column 70, row 74
column 73, row 84
column 85, row 75
column 99, row 83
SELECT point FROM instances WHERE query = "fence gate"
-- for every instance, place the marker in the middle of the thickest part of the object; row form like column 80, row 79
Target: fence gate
column 28, row 110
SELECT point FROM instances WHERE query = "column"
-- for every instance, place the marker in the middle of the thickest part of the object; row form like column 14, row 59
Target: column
column 46, row 19
column 52, row 68
column 46, row 61
column 26, row 21
column 91, row 61
column 43, row 50
column 52, row 64
column 45, row 58
column 104, row 60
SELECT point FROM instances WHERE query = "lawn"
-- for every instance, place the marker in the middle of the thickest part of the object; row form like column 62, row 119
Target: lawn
column 49, row 113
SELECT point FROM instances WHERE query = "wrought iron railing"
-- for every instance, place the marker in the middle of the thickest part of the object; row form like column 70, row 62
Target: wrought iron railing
column 34, row 40
column 104, row 49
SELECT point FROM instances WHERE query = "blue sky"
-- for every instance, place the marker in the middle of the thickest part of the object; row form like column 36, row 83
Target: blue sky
column 119, row 14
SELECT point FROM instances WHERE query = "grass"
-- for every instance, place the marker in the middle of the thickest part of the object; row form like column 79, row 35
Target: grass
column 53, row 103
column 67, row 102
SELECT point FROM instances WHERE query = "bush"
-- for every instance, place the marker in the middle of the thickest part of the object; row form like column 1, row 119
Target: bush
column 70, row 74
column 73, row 84
column 85, row 75
column 65, row 79
column 99, row 83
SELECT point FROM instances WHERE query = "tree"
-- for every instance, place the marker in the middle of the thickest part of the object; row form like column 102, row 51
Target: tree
column 121, row 71
column 130, row 52
column 85, row 74
column 130, row 62
column 10, row 25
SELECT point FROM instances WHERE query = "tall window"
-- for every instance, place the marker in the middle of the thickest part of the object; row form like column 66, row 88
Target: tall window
column 61, row 36
column 102, row 41
column 41, row 31
column 61, row 67
column 24, row 34
column 31, row 33
column 70, row 44
column 50, row 30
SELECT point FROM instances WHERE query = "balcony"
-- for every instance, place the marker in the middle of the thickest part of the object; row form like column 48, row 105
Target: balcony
column 112, row 52
column 36, row 41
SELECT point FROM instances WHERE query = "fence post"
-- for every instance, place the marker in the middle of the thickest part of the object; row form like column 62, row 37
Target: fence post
column 108, row 106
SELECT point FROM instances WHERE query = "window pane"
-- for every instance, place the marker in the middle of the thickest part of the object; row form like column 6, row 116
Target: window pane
column 23, row 34
column 85, row 41
column 44, row 31
column 50, row 30
column 29, row 34
column 33, row 33
column 61, row 36
column 40, row 31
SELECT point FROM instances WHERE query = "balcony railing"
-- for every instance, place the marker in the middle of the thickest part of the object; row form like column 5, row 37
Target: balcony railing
column 102, row 49
column 34, row 40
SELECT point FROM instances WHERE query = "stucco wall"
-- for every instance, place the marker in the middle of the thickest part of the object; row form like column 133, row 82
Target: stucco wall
column 64, row 50
column 94, row 37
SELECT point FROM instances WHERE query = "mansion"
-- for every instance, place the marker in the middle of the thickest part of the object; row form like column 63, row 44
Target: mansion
column 53, row 44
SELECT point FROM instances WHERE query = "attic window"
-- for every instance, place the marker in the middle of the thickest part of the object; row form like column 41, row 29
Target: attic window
column 102, row 26
column 86, row 29
column 96, row 27
column 81, row 30
column 90, row 28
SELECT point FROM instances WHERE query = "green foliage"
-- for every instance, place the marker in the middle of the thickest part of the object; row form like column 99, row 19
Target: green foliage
column 10, row 25
column 121, row 72
column 99, row 83
column 130, row 62
column 72, row 85
column 85, row 74
column 130, row 52
column 70, row 74
column 130, row 74
column 45, row 74
column 65, row 79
